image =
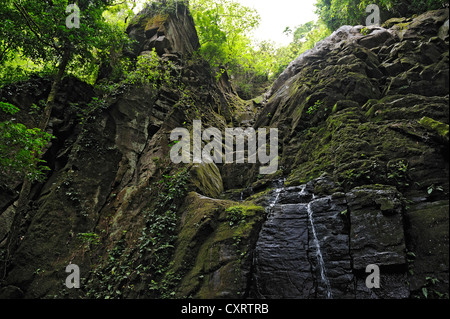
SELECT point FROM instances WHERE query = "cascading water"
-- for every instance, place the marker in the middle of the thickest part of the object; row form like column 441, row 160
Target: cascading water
column 282, row 260
column 323, row 271
column 272, row 202
column 275, row 200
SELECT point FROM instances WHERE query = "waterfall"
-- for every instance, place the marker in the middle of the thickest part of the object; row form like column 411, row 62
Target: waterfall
column 275, row 200
column 323, row 271
column 287, row 242
column 272, row 202
column 277, row 194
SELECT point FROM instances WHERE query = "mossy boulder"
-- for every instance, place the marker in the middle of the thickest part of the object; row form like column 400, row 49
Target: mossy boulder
column 207, row 179
column 168, row 30
column 213, row 250
column 438, row 128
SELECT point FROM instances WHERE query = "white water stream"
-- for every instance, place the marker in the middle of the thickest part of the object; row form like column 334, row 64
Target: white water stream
column 323, row 271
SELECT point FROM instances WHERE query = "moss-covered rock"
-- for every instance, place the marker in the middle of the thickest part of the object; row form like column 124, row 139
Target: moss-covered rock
column 438, row 128
column 214, row 249
column 207, row 179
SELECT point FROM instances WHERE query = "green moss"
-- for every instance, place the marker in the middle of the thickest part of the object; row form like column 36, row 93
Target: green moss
column 401, row 26
column 258, row 100
column 207, row 179
column 357, row 150
column 394, row 21
column 214, row 238
column 157, row 20
column 256, row 198
column 439, row 128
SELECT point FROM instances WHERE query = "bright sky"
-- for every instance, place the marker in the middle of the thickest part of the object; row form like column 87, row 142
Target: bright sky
column 276, row 15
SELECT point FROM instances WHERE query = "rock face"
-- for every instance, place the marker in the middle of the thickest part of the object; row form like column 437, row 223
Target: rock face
column 371, row 111
column 165, row 31
column 363, row 178
column 319, row 246
column 302, row 250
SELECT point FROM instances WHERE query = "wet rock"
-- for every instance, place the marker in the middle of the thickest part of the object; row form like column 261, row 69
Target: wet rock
column 377, row 233
column 282, row 267
column 430, row 243
column 302, row 250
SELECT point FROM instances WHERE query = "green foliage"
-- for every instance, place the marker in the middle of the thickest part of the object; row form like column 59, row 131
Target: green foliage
column 17, row 68
column 159, row 236
column 223, row 27
column 235, row 215
column 398, row 173
column 336, row 13
column 20, row 148
column 433, row 188
column 148, row 260
column 89, row 239
column 257, row 67
column 36, row 31
column 314, row 108
column 150, row 71
column 430, row 290
column 365, row 31
column 8, row 108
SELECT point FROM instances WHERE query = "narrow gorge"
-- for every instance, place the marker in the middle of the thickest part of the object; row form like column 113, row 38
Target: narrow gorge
column 363, row 176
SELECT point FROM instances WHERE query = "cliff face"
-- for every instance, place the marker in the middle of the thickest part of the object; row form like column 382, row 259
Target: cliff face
column 363, row 179
column 369, row 114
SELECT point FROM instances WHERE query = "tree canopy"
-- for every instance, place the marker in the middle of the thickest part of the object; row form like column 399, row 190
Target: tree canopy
column 336, row 13
column 49, row 33
column 223, row 27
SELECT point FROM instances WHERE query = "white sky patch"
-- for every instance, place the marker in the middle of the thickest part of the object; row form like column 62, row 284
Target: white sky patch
column 276, row 15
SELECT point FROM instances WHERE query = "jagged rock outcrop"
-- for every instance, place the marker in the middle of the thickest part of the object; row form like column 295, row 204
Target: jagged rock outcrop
column 167, row 30
column 363, row 178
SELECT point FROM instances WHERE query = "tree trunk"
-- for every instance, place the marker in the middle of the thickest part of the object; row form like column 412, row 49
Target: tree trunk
column 26, row 187
column 54, row 90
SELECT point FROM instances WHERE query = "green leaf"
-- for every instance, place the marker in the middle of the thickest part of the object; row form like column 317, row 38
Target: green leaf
column 425, row 292
column 8, row 108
